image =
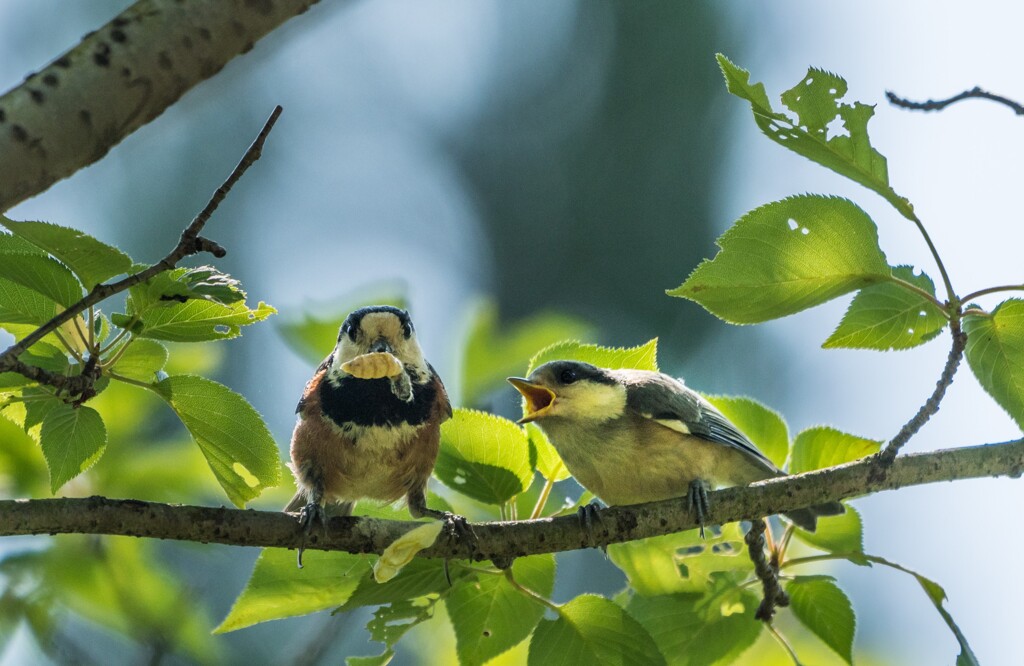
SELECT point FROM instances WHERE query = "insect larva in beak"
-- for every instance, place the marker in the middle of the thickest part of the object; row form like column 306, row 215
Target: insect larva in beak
column 376, row 365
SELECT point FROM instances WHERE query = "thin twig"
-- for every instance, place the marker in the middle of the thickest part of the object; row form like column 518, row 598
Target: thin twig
column 190, row 243
column 931, row 406
column 992, row 290
column 938, row 105
column 785, row 644
column 774, row 595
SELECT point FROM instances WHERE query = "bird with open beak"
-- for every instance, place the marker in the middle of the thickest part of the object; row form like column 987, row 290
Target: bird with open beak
column 360, row 435
column 633, row 436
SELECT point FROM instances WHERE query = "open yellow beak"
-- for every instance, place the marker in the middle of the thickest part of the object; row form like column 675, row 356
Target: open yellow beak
column 538, row 398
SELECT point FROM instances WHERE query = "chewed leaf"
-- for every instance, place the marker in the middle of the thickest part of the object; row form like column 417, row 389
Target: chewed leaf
column 641, row 357
column 198, row 320
column 995, row 352
column 91, row 260
column 887, row 316
column 816, row 103
column 228, row 431
column 788, row 256
column 484, row 456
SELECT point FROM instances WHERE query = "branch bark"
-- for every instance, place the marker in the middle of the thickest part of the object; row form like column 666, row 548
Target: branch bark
column 70, row 113
column 504, row 540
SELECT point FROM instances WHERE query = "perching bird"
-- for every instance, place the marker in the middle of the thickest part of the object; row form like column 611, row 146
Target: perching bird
column 375, row 437
column 633, row 436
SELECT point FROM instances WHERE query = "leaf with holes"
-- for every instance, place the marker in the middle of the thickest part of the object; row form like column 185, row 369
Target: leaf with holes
column 822, row 446
column 700, row 629
column 91, row 260
column 995, row 352
column 142, row 360
column 196, row 321
column 494, row 352
column 824, row 609
column 887, row 316
column 681, row 562
column 484, row 457
column 390, row 623
column 72, row 440
column 277, row 588
column 231, row 434
column 764, row 426
column 420, row 577
column 42, row 275
column 592, row 630
column 788, row 256
column 642, row 357
column 815, row 101
column 490, row 616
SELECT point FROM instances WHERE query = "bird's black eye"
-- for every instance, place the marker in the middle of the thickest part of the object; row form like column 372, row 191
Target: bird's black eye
column 407, row 329
column 567, row 376
column 349, row 330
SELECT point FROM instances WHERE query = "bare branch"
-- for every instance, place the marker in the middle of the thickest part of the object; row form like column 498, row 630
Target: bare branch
column 938, row 105
column 190, row 243
column 73, row 111
column 503, row 540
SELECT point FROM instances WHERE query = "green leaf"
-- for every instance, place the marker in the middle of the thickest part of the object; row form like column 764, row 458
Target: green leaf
column 642, row 357
column 21, row 305
column 207, row 283
column 592, row 630
column 764, row 426
column 494, row 352
column 39, row 402
column 11, row 243
column 231, row 434
column 836, row 534
column 72, row 440
column 681, row 562
column 700, row 630
column 887, row 316
column 42, row 275
column 824, row 609
column 548, row 462
column 142, row 360
column 788, row 256
column 418, row 578
column 995, row 352
column 278, row 588
column 815, row 101
column 197, row 320
column 490, row 616
column 822, row 446
column 484, row 456
column 312, row 336
column 46, row 356
column 91, row 260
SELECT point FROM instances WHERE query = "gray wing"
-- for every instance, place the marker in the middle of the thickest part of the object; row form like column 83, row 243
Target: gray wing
column 667, row 401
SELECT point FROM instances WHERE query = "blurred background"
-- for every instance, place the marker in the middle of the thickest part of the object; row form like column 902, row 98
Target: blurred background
column 581, row 158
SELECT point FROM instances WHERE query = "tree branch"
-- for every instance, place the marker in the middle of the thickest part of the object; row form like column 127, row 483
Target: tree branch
column 190, row 243
column 938, row 105
column 503, row 540
column 70, row 113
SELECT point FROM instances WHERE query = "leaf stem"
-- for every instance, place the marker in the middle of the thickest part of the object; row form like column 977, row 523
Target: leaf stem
column 922, row 293
column 993, row 290
column 784, row 643
column 112, row 361
column 70, row 349
column 950, row 294
column 129, row 380
column 545, row 492
column 544, row 601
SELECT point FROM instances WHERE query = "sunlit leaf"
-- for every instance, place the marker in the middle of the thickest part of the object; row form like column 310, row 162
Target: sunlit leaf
column 548, row 463
column 198, row 320
column 788, row 256
column 995, row 352
column 142, row 360
column 231, row 434
column 642, row 357
column 277, row 588
column 824, row 609
column 72, row 440
column 813, row 134
column 420, row 577
column 91, row 260
column 887, row 316
column 490, row 616
column 42, row 275
column 764, row 426
column 836, row 534
column 494, row 352
column 592, row 630
column 822, row 446
column 21, row 305
column 484, row 456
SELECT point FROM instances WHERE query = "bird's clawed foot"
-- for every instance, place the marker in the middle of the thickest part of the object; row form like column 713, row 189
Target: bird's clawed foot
column 697, row 501
column 589, row 516
column 310, row 515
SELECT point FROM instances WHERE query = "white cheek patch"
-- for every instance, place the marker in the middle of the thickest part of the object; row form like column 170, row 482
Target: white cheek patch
column 602, row 402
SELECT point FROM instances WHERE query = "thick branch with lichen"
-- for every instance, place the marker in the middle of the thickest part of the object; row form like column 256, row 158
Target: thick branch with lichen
column 504, row 540
column 118, row 78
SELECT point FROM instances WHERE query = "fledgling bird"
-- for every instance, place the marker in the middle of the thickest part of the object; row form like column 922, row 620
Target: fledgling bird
column 374, row 438
column 633, row 436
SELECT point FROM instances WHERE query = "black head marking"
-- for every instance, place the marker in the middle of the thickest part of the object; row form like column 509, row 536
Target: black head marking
column 353, row 321
column 570, row 372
